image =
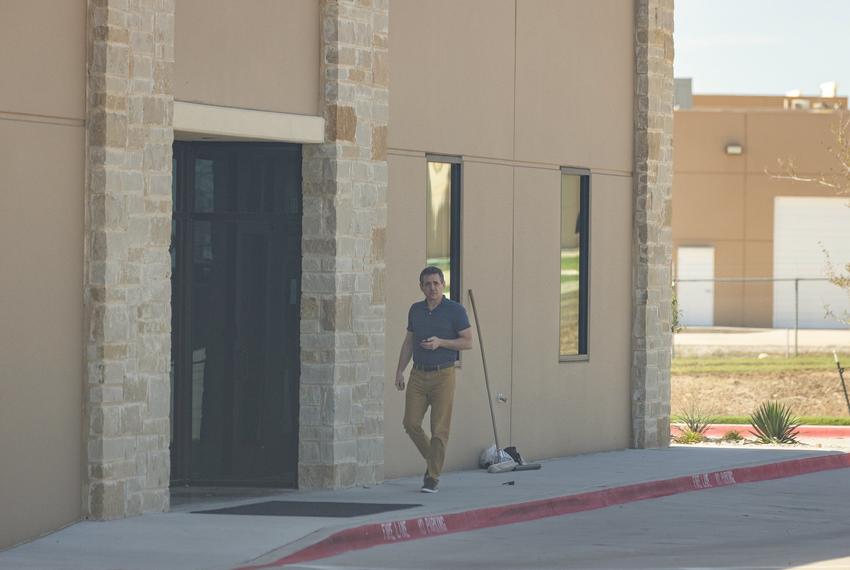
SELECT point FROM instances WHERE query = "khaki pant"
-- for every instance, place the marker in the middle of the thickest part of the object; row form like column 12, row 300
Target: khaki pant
column 435, row 389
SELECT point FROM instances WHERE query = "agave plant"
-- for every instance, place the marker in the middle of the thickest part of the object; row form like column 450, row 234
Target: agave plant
column 695, row 420
column 695, row 425
column 774, row 423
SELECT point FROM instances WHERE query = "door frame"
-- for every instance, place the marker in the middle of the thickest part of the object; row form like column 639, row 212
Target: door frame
column 181, row 358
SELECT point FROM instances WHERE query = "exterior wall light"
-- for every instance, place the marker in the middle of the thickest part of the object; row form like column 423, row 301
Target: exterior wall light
column 734, row 149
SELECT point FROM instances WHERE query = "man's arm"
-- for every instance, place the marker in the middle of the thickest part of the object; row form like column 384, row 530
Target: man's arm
column 462, row 342
column 404, row 356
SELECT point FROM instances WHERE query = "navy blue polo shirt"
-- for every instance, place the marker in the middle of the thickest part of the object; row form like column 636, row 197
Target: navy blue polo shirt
column 445, row 321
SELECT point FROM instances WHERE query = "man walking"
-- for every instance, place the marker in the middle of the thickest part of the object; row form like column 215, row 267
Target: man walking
column 437, row 328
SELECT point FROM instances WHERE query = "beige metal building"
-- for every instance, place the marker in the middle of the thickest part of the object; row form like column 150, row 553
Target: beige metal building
column 742, row 229
column 213, row 216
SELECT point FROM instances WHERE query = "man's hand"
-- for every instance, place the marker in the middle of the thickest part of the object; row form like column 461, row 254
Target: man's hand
column 431, row 343
column 404, row 356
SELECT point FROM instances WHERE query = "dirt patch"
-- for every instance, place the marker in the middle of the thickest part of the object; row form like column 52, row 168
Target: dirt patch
column 807, row 393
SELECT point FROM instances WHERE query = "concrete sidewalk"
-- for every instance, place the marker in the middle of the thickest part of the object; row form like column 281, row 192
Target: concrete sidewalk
column 703, row 341
column 467, row 499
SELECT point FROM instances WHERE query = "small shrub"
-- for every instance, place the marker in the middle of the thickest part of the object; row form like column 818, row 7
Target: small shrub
column 688, row 436
column 675, row 313
column 695, row 425
column 695, row 420
column 774, row 423
column 732, row 435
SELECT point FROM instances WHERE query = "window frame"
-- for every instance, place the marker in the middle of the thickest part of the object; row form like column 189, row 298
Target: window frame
column 455, row 292
column 585, row 196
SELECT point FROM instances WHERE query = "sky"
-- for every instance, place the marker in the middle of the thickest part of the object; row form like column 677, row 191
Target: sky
column 763, row 47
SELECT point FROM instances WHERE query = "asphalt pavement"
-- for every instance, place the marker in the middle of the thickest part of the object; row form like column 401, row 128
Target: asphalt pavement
column 794, row 522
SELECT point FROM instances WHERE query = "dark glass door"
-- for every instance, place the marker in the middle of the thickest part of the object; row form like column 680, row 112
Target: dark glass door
column 236, row 273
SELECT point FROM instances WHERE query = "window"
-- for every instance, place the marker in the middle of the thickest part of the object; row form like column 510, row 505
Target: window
column 442, row 221
column 575, row 234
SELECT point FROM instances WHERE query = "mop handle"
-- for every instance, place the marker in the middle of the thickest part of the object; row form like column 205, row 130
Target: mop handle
column 486, row 381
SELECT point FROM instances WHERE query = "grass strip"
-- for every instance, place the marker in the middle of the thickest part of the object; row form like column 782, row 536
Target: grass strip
column 748, row 365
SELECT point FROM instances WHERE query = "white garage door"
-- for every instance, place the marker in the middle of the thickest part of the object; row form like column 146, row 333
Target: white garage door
column 803, row 229
column 695, row 298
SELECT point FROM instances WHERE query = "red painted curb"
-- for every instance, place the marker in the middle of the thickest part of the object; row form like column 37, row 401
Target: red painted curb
column 375, row 534
column 718, row 430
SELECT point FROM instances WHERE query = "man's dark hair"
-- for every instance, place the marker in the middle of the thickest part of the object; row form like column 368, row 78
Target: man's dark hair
column 431, row 270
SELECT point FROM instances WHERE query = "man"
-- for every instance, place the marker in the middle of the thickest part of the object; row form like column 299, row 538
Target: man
column 437, row 328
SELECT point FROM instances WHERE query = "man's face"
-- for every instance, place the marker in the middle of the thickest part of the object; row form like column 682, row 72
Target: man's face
column 432, row 286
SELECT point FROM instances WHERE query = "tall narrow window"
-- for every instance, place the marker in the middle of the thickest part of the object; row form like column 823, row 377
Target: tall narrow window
column 575, row 234
column 442, row 221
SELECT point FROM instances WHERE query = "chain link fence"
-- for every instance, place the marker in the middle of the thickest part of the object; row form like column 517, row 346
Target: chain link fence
column 790, row 315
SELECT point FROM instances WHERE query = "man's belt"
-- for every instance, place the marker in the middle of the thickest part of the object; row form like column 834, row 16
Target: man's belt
column 432, row 367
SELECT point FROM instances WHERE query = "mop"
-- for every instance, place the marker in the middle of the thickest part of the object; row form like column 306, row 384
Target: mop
column 501, row 466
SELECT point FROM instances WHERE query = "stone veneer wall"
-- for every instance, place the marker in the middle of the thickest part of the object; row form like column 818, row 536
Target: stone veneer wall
column 127, row 262
column 344, row 222
column 652, row 237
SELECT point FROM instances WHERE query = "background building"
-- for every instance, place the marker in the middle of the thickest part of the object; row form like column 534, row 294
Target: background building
column 214, row 216
column 735, row 222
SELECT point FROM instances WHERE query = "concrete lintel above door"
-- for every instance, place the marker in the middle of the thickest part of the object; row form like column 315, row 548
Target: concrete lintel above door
column 194, row 121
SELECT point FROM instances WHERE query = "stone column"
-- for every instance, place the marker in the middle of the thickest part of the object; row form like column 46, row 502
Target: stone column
column 127, row 262
column 652, row 238
column 344, row 221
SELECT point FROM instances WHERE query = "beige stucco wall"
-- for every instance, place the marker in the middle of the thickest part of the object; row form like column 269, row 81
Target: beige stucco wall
column 563, row 408
column 43, row 57
column 762, row 101
column 253, row 54
column 495, row 87
column 803, row 136
column 574, row 83
column 727, row 201
column 451, row 76
column 41, row 248
column 495, row 92
column 700, row 140
column 488, row 259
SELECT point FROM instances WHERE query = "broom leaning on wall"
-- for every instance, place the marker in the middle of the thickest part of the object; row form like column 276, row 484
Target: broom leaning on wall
column 500, row 466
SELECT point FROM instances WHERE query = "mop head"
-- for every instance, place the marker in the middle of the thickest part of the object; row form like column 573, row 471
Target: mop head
column 502, row 467
column 496, row 461
column 489, row 456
